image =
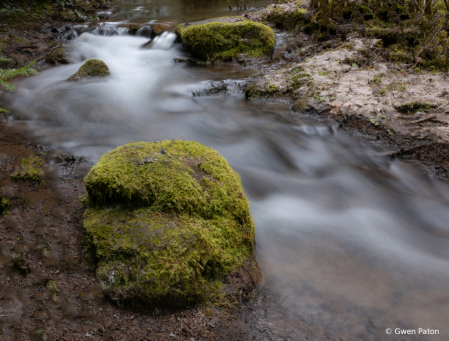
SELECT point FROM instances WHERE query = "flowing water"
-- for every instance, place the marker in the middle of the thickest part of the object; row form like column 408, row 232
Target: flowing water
column 349, row 242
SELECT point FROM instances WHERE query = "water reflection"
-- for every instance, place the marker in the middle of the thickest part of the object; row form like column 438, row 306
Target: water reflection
column 141, row 11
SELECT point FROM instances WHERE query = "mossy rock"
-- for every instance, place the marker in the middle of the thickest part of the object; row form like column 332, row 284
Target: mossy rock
column 58, row 56
column 219, row 40
column 91, row 69
column 166, row 221
column 5, row 206
column 31, row 170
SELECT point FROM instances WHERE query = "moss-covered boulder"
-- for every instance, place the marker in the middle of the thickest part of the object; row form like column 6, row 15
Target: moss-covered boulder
column 91, row 69
column 58, row 56
column 222, row 39
column 166, row 221
column 31, row 170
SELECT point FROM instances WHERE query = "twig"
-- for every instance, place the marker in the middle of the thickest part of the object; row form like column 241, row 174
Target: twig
column 423, row 119
column 265, row 100
column 49, row 53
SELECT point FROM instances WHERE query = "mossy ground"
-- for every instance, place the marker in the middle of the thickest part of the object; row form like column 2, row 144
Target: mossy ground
column 90, row 69
column 166, row 221
column 221, row 41
column 24, row 12
column 31, row 170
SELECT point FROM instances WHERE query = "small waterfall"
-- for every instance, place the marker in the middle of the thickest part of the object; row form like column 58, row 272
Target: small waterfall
column 164, row 42
column 108, row 30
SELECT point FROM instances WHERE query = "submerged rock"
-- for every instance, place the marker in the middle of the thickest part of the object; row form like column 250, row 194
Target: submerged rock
column 30, row 170
column 145, row 31
column 90, row 69
column 58, row 56
column 166, row 221
column 222, row 39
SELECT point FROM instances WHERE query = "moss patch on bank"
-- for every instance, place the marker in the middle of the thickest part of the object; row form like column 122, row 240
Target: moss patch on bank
column 415, row 106
column 31, row 170
column 5, row 206
column 166, row 221
column 291, row 82
column 222, row 41
column 58, row 56
column 91, row 69
column 284, row 16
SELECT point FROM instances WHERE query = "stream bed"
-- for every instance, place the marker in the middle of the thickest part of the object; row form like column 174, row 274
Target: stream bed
column 349, row 242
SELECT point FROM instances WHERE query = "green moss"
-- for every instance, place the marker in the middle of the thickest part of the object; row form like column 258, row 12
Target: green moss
column 5, row 206
column 253, row 91
column 271, row 88
column 52, row 287
column 222, row 41
column 58, row 56
column 300, row 80
column 91, row 68
column 415, row 106
column 300, row 104
column 30, row 170
column 297, row 70
column 166, row 221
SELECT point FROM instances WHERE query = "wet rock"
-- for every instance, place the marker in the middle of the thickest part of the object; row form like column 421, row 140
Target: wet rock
column 92, row 68
column 224, row 87
column 105, row 30
column 223, row 39
column 158, row 29
column 69, row 158
column 166, row 221
column 31, row 170
column 58, row 56
column 145, row 31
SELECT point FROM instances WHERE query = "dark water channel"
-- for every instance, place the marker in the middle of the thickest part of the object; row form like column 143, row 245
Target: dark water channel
column 347, row 240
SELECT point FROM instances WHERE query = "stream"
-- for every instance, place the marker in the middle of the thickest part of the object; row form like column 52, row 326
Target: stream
column 349, row 242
